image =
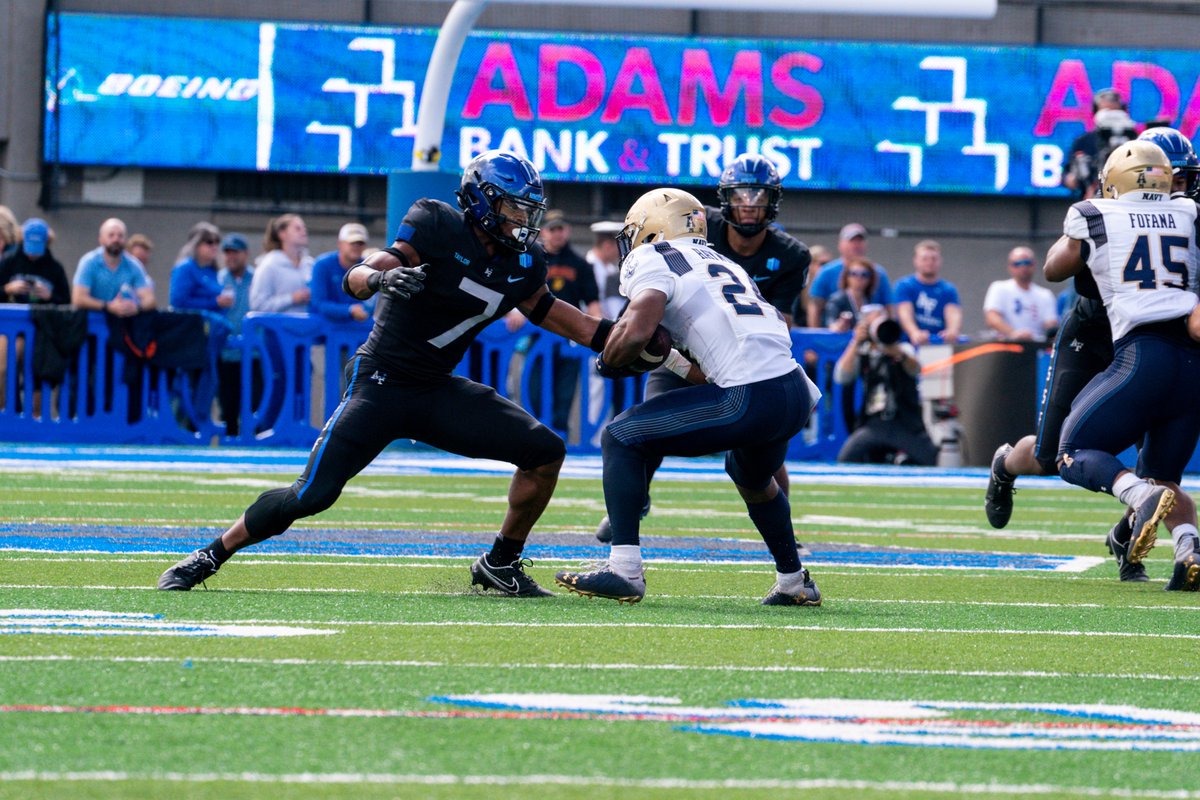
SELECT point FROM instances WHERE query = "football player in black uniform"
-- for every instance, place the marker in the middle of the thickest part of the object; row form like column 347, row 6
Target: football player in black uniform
column 749, row 190
column 448, row 275
column 1083, row 350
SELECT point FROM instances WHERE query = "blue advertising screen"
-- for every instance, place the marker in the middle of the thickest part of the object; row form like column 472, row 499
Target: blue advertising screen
column 236, row 95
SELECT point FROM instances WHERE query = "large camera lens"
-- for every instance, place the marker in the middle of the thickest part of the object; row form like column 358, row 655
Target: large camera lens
column 885, row 331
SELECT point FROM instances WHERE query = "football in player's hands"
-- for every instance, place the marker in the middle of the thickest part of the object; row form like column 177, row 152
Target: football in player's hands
column 655, row 352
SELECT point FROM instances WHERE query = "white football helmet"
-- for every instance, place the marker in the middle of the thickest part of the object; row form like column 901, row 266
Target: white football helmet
column 660, row 215
column 1137, row 166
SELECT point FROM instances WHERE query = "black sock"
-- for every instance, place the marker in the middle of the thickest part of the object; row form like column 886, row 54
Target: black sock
column 774, row 522
column 218, row 552
column 1003, row 474
column 505, row 551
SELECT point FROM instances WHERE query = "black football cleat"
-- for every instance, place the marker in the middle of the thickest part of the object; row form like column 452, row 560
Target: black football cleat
column 809, row 595
column 604, row 529
column 998, row 502
column 196, row 568
column 1145, row 521
column 601, row 581
column 1118, row 545
column 509, row 580
column 1186, row 577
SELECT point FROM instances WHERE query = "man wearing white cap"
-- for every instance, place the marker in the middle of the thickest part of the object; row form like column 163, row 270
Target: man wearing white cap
column 329, row 269
column 852, row 244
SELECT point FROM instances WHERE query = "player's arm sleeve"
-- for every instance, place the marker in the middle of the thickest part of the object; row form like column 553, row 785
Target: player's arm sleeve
column 649, row 271
column 426, row 228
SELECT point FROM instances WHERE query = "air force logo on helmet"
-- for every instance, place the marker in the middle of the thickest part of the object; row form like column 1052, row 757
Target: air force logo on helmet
column 1136, row 169
column 503, row 194
column 660, row 215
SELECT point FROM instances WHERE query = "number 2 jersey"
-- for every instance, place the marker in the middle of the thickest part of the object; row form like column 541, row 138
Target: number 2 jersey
column 423, row 338
column 714, row 311
column 1142, row 253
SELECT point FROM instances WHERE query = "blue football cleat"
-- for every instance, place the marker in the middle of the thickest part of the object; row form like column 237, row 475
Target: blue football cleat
column 809, row 595
column 603, row 582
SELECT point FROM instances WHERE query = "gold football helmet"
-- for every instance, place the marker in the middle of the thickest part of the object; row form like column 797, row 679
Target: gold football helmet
column 1137, row 166
column 660, row 215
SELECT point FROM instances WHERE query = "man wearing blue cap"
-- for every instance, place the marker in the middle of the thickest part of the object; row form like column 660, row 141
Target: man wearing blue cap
column 31, row 274
column 235, row 278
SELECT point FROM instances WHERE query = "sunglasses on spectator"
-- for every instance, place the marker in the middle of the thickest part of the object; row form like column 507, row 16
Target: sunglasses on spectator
column 859, row 273
column 1024, row 262
column 210, row 241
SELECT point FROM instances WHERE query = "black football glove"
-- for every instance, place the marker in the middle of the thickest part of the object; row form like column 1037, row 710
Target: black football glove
column 400, row 283
column 612, row 373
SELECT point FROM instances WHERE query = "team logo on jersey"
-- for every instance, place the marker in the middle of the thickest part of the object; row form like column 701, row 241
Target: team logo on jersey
column 772, row 265
column 912, row 723
column 525, row 260
column 487, row 273
column 462, row 259
column 1076, row 345
column 379, row 377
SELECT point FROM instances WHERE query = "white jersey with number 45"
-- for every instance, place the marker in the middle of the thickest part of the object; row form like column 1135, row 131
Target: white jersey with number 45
column 714, row 311
column 1143, row 255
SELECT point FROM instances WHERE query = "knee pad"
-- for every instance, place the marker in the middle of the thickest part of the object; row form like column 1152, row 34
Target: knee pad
column 1091, row 469
column 544, row 447
column 738, row 473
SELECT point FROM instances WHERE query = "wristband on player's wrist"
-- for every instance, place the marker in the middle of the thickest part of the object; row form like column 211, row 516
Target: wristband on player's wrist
column 678, row 363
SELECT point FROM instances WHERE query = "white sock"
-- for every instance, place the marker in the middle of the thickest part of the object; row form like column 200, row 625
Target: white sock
column 791, row 582
column 1130, row 489
column 1185, row 538
column 626, row 560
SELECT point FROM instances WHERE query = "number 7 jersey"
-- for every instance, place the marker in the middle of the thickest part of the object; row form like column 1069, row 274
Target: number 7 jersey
column 714, row 311
column 1143, row 255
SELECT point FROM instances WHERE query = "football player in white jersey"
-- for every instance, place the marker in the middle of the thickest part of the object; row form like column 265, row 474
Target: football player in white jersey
column 1140, row 245
column 754, row 400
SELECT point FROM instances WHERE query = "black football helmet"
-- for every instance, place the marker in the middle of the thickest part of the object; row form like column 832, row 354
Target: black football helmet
column 750, row 181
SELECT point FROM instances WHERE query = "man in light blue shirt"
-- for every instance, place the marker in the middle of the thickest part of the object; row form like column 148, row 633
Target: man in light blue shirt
column 109, row 279
column 852, row 244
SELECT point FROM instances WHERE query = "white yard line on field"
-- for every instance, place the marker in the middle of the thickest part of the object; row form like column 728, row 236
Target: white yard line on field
column 358, row 778
column 602, row 667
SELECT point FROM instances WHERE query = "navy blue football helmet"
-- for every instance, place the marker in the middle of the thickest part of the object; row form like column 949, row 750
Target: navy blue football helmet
column 499, row 188
column 750, row 181
column 1181, row 154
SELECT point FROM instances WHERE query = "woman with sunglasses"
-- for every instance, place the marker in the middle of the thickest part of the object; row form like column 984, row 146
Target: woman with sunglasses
column 856, row 284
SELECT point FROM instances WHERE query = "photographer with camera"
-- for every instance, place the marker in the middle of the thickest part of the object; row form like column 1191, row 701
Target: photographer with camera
column 1113, row 128
column 889, row 427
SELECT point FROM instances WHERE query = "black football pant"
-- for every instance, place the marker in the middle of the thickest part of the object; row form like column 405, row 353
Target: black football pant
column 455, row 415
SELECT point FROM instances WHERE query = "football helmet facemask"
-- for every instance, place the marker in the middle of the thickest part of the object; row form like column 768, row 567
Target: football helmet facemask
column 750, row 181
column 660, row 215
column 1137, row 166
column 1181, row 155
column 503, row 194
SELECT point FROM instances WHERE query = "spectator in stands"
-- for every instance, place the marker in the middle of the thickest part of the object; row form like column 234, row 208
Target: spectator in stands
column 235, row 278
column 572, row 280
column 926, row 305
column 1018, row 308
column 605, row 260
column 284, row 269
column 32, row 274
column 852, row 244
column 195, row 285
column 820, row 256
column 856, row 285
column 139, row 246
column 1111, row 127
column 890, row 427
column 10, row 232
column 109, row 279
column 329, row 270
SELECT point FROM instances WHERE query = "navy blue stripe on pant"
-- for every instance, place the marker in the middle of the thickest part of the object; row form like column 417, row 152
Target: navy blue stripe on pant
column 754, row 422
column 1150, row 389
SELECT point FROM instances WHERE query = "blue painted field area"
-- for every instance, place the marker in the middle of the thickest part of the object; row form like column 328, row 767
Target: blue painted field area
column 548, row 547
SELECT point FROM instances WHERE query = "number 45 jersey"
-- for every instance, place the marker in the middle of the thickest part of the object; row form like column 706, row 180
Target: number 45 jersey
column 1142, row 253
column 423, row 338
column 714, row 311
